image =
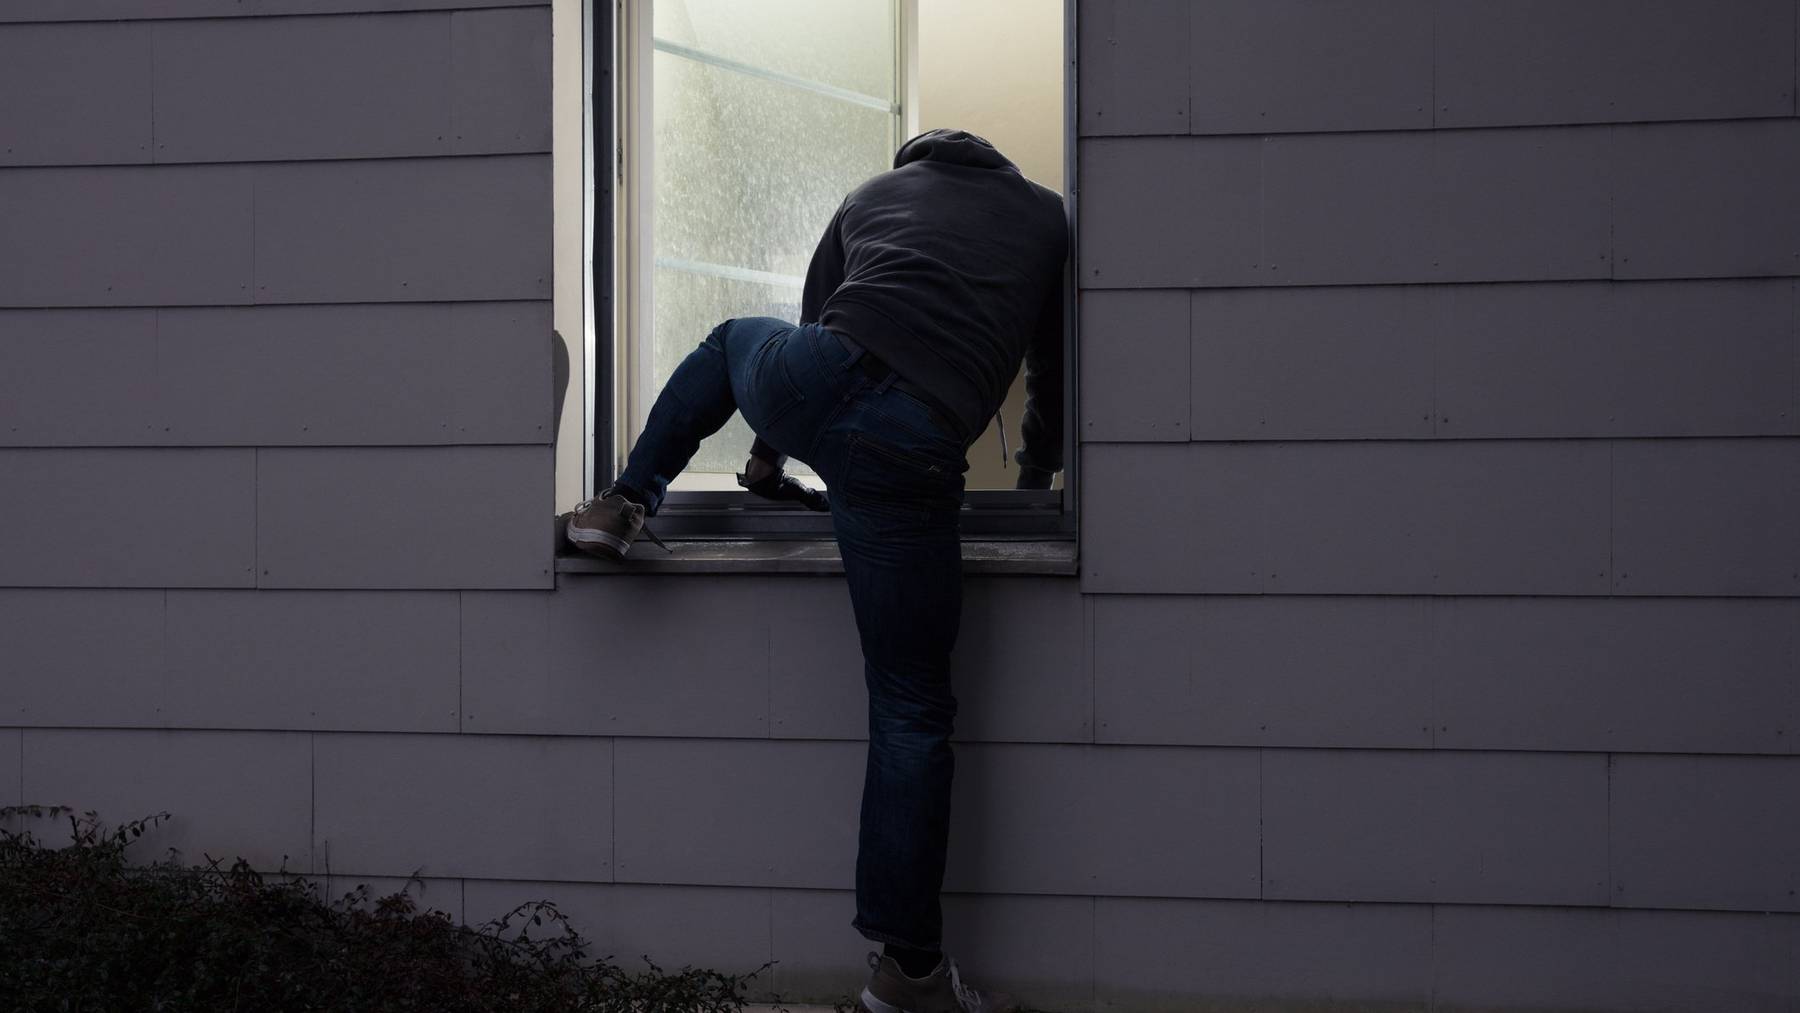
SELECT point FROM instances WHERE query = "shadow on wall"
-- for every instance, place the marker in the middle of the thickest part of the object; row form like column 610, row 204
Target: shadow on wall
column 559, row 378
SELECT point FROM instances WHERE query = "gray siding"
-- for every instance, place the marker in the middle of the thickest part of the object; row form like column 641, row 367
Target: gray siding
column 313, row 253
column 1474, row 509
column 1437, row 639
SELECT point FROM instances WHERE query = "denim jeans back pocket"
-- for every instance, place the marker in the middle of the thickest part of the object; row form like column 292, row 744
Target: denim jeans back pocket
column 905, row 486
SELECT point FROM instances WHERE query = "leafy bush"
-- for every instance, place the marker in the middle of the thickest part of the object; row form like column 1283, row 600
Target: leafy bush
column 82, row 930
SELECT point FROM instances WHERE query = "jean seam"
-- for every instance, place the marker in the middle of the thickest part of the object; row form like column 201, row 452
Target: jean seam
column 795, row 396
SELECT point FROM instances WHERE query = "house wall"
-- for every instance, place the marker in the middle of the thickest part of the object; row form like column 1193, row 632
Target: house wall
column 1435, row 640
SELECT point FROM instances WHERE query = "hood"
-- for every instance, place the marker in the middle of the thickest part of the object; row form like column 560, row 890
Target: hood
column 957, row 147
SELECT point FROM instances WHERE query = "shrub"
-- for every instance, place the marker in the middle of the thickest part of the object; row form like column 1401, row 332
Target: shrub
column 81, row 929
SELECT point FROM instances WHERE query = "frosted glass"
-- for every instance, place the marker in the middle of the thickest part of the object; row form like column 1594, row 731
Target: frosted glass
column 688, row 306
column 748, row 171
column 843, row 43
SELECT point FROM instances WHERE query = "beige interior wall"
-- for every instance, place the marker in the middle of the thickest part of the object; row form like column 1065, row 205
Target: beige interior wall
column 566, row 181
column 994, row 68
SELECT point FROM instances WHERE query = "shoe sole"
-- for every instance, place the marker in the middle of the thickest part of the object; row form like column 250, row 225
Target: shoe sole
column 867, row 1003
column 600, row 543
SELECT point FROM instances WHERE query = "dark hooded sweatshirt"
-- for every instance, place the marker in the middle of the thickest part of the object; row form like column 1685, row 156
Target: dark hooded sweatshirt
column 949, row 267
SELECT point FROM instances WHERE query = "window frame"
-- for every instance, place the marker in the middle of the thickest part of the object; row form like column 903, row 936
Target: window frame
column 988, row 514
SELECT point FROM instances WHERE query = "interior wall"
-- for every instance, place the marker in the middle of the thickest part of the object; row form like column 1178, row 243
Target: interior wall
column 566, row 181
column 994, row 68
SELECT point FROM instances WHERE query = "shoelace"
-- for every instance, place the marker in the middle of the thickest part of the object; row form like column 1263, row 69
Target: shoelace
column 968, row 997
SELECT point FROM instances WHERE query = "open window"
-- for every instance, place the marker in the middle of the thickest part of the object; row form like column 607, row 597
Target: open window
column 722, row 135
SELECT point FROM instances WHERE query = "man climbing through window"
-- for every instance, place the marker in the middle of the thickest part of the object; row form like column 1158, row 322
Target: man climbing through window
column 932, row 284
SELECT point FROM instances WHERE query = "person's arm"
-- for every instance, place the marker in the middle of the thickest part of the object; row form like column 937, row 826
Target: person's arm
column 1040, row 453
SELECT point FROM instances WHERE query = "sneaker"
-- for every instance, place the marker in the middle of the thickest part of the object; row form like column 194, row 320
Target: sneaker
column 605, row 525
column 942, row 991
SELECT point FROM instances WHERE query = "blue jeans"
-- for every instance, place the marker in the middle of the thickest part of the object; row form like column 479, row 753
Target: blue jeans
column 896, row 484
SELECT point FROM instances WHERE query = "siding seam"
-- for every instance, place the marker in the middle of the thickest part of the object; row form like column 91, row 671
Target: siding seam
column 1612, row 887
column 163, row 665
column 612, row 802
column 312, row 802
column 1262, row 793
column 1094, row 952
column 1612, row 202
column 1189, row 370
column 150, row 31
column 1439, row 319
column 1434, row 607
column 1087, row 622
column 256, row 570
column 451, row 144
column 1435, row 8
column 1431, row 948
column 1612, row 541
column 255, row 282
column 461, row 620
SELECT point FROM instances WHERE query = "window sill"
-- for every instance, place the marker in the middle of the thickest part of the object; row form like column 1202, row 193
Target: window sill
column 981, row 557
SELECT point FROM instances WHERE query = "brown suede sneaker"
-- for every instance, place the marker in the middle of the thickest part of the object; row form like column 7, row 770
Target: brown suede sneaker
column 605, row 525
column 942, row 991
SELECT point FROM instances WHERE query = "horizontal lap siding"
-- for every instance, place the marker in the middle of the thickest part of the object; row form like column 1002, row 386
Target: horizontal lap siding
column 1440, row 422
column 276, row 375
column 781, row 659
column 1435, row 644
column 1676, row 200
column 311, row 250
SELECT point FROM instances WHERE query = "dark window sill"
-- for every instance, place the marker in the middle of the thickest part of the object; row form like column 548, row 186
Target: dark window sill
column 981, row 557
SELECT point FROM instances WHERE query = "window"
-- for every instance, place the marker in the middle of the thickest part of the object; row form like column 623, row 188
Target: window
column 732, row 131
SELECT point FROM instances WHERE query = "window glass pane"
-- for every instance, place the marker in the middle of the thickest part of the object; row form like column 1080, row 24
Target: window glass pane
column 689, row 305
column 748, row 171
column 843, row 43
